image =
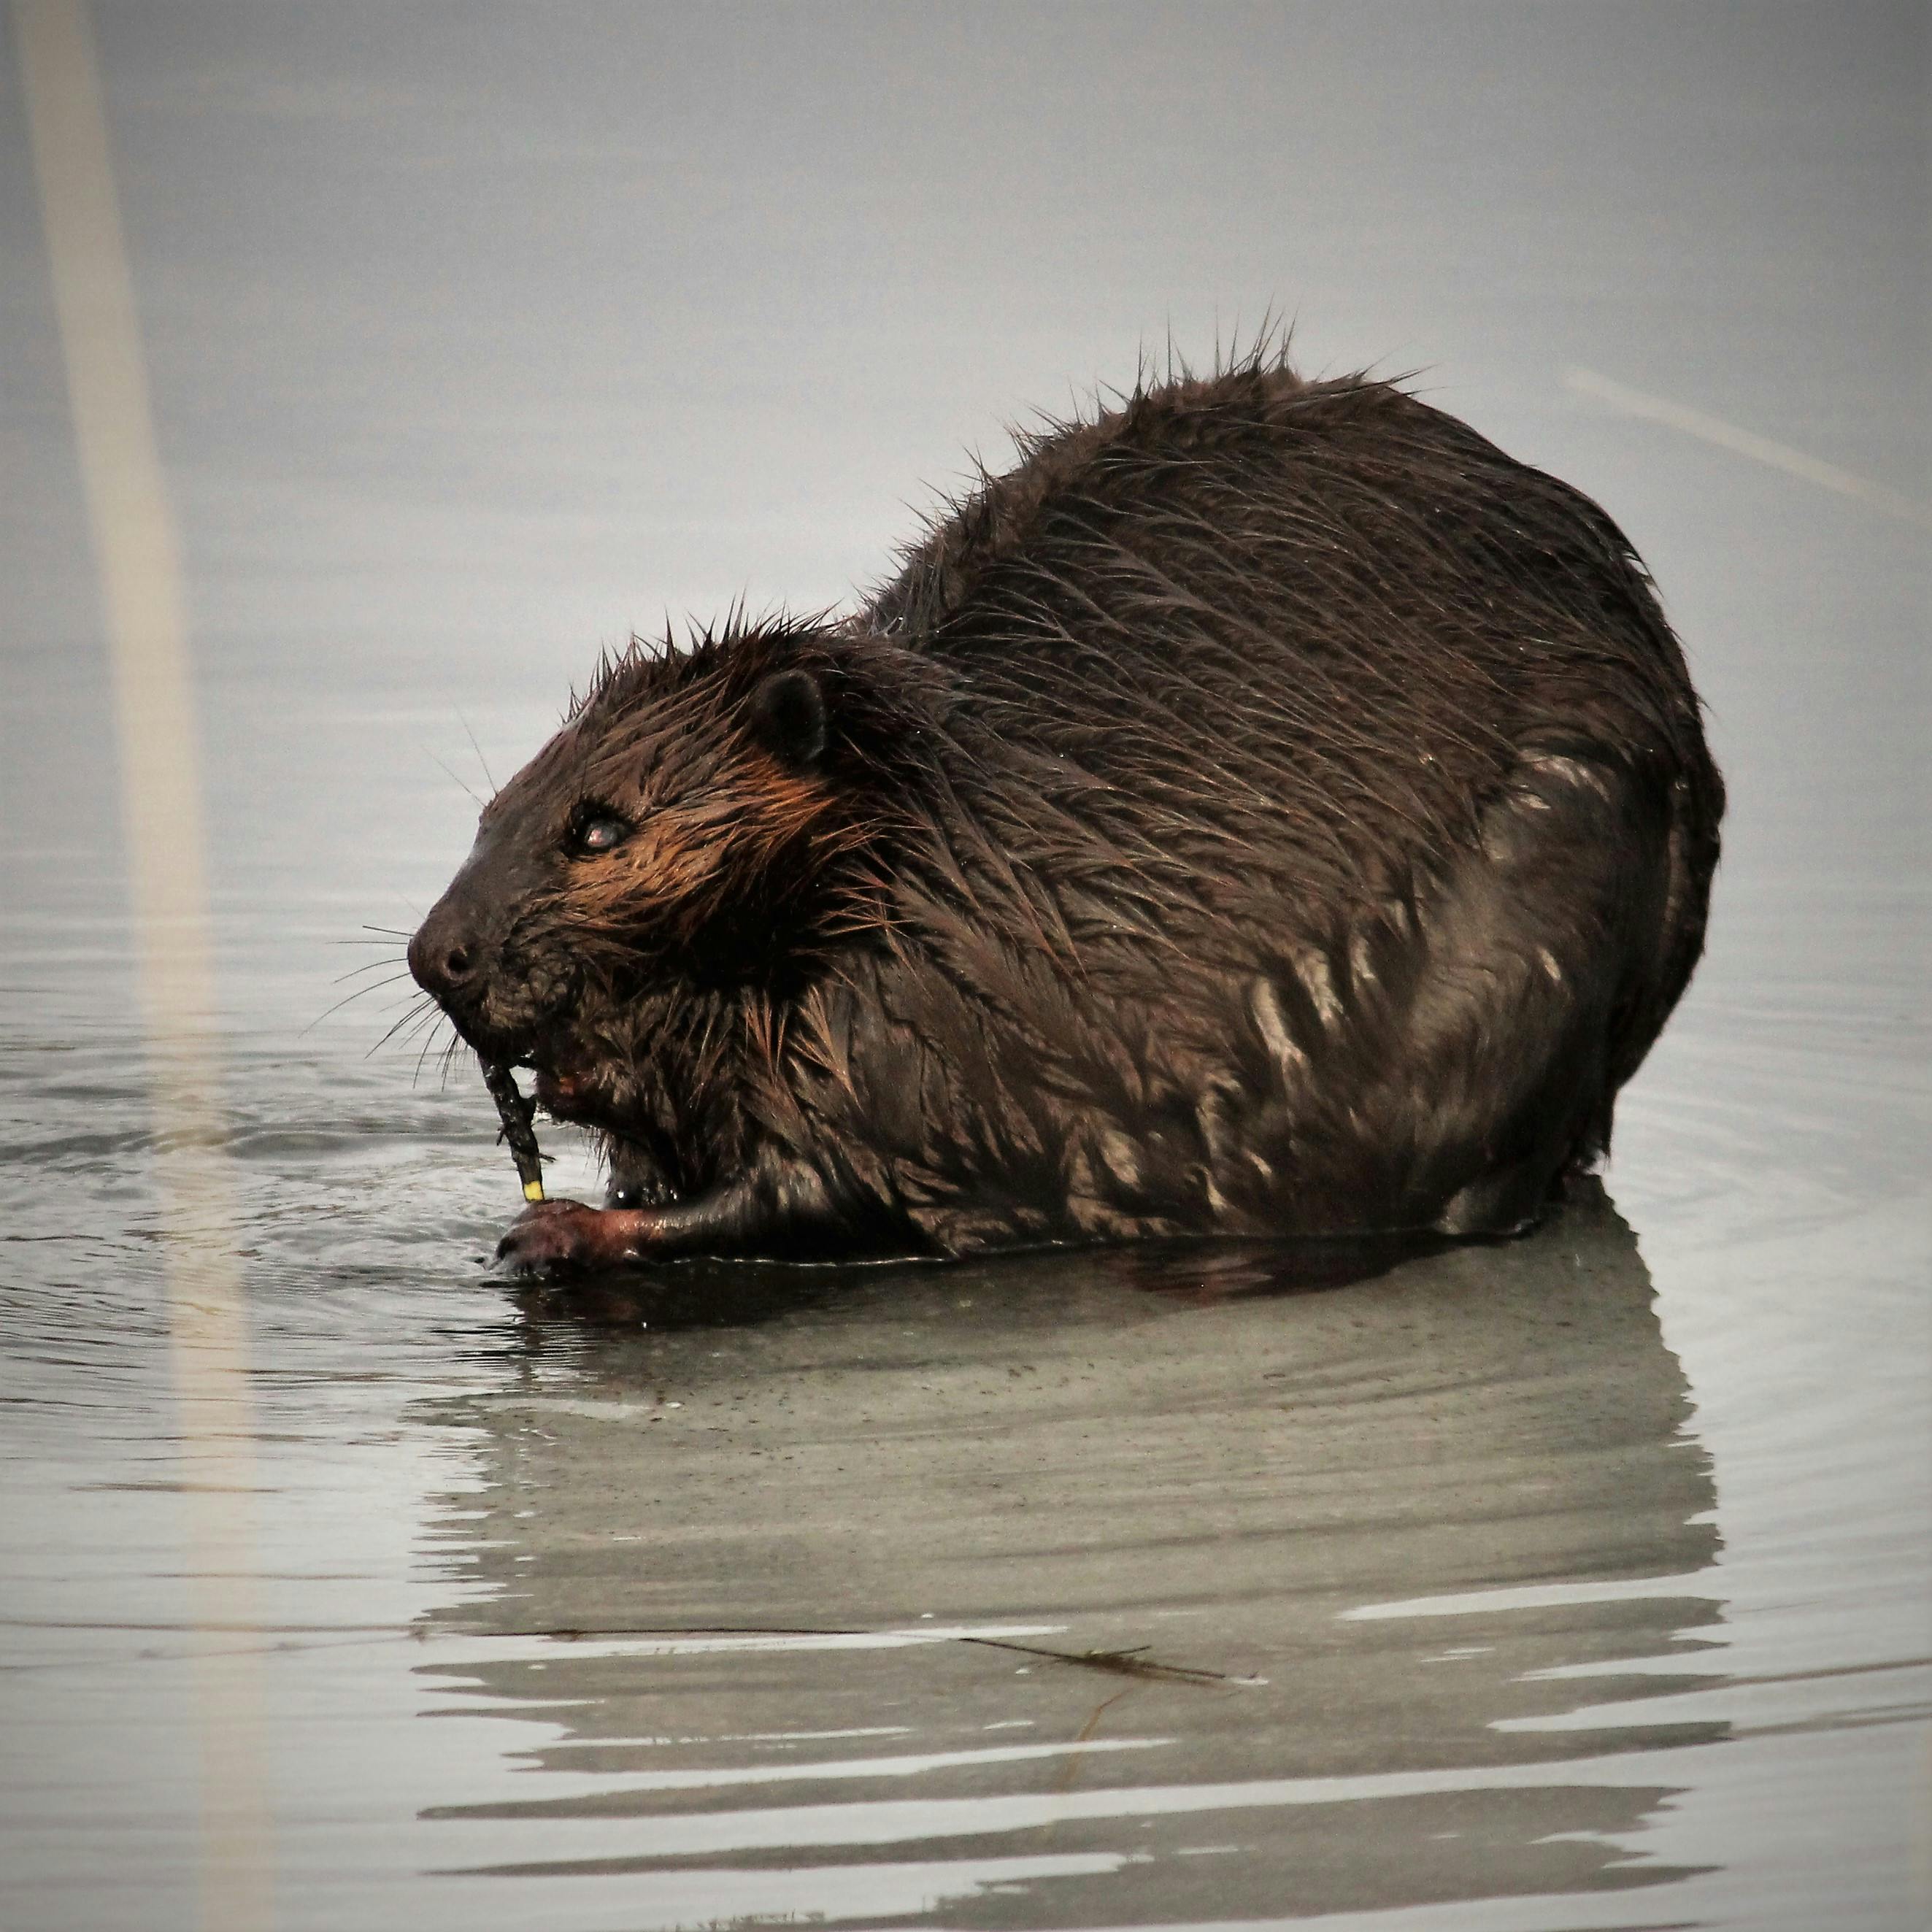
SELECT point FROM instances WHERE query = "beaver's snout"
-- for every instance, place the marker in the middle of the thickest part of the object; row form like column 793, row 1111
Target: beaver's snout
column 505, row 997
column 447, row 952
column 453, row 958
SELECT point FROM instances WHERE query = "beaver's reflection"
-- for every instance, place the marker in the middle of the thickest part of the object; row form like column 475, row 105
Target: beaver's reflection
column 1146, row 1454
column 704, row 1292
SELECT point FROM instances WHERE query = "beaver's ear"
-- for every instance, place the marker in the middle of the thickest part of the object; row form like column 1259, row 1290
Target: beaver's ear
column 787, row 714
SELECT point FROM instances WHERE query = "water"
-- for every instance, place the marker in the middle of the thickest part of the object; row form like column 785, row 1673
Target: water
column 1581, row 1582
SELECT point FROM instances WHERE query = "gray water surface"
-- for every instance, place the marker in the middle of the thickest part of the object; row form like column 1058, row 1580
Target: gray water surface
column 1584, row 1581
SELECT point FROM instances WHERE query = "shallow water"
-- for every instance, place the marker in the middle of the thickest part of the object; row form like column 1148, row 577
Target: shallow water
column 1580, row 1582
column 1073, row 1591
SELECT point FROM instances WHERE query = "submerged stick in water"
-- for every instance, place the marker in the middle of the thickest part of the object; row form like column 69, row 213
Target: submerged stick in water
column 514, row 1112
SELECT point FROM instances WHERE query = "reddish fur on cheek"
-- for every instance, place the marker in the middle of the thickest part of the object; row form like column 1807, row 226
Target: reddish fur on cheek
column 688, row 860
column 781, row 808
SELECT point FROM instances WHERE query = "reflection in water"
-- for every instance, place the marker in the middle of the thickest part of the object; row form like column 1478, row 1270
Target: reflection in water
column 1083, row 1589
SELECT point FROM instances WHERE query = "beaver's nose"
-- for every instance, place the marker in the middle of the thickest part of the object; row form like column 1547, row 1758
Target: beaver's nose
column 443, row 955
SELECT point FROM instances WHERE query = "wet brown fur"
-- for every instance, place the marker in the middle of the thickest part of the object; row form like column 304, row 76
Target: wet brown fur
column 1269, row 808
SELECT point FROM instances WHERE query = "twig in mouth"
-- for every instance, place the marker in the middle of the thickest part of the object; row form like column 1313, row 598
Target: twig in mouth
column 515, row 1113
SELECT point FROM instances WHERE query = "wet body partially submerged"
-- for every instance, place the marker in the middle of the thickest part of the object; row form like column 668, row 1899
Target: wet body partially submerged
column 1268, row 810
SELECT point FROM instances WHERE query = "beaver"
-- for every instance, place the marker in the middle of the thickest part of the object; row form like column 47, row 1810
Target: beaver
column 1267, row 810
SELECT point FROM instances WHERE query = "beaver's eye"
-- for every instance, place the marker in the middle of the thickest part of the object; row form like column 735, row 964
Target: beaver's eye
column 594, row 831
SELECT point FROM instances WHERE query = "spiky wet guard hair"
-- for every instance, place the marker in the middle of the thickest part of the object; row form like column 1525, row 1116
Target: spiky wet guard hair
column 875, row 696
column 1247, row 565
column 778, row 759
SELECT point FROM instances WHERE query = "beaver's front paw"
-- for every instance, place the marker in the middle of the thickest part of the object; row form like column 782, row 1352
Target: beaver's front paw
column 560, row 1237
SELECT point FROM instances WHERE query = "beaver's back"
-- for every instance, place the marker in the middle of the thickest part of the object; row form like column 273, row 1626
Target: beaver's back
column 1271, row 624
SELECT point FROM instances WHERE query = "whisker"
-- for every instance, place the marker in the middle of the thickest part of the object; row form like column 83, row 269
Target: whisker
column 419, row 1009
column 424, row 1029
column 428, row 1043
column 429, row 1037
column 449, row 1058
column 487, row 779
column 373, row 966
column 375, row 986
column 451, row 775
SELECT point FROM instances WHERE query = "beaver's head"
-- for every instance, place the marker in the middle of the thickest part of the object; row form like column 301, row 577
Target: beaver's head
column 709, row 818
